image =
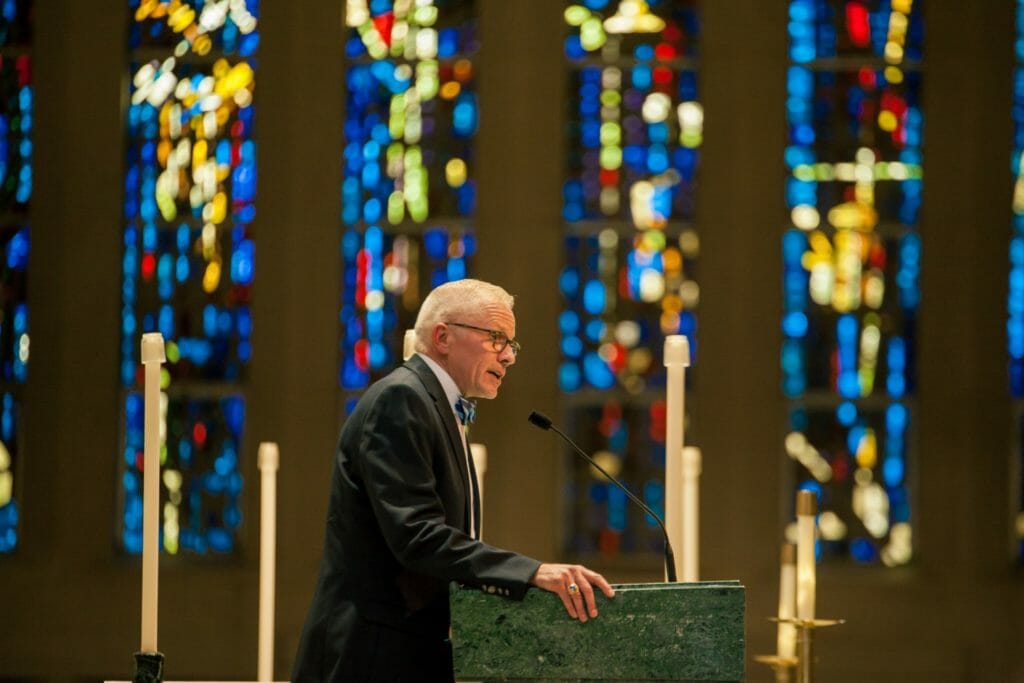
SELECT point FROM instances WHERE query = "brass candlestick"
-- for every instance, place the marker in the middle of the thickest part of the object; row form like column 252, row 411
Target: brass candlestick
column 784, row 659
column 803, row 662
column 781, row 665
column 803, row 621
column 805, row 629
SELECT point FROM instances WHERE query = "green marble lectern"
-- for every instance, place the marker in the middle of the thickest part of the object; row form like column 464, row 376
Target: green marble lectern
column 647, row 632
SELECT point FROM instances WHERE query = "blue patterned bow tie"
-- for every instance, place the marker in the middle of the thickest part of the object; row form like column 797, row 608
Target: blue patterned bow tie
column 466, row 410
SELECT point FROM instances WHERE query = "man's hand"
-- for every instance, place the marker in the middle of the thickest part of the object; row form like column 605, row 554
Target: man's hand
column 574, row 585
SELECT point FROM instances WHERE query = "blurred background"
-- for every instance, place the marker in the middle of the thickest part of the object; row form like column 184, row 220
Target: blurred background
column 274, row 186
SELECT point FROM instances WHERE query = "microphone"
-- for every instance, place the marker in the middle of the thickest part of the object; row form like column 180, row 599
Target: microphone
column 542, row 421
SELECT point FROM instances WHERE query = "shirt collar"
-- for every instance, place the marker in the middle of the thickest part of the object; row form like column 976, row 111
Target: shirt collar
column 451, row 390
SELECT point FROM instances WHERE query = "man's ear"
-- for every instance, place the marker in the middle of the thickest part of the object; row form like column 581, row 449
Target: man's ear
column 441, row 335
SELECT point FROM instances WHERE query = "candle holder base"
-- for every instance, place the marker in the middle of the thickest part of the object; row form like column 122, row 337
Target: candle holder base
column 803, row 664
column 782, row 666
column 776, row 661
column 809, row 623
column 149, row 667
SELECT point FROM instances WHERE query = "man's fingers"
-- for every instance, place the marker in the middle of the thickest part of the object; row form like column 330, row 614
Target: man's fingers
column 605, row 587
column 575, row 590
column 574, row 585
column 588, row 596
column 568, row 602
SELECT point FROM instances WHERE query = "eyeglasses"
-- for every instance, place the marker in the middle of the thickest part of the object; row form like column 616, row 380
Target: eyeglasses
column 499, row 340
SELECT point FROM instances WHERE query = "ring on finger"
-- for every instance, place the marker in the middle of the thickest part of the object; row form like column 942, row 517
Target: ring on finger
column 573, row 589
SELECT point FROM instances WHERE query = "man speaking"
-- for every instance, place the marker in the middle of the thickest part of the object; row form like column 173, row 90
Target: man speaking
column 404, row 511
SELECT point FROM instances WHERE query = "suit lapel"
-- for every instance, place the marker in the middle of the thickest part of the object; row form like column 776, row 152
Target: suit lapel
column 457, row 450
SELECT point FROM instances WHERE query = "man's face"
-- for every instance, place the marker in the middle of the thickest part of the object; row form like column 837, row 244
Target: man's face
column 472, row 361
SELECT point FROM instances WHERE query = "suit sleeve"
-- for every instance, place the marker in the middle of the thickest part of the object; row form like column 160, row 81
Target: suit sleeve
column 397, row 445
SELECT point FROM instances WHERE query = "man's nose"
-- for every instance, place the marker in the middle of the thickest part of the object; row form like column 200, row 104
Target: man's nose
column 507, row 357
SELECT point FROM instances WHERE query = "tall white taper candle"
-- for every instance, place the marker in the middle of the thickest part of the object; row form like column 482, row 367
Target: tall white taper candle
column 673, row 503
column 408, row 344
column 152, row 354
column 677, row 359
column 806, row 512
column 267, row 459
column 786, row 639
column 691, row 514
column 478, row 451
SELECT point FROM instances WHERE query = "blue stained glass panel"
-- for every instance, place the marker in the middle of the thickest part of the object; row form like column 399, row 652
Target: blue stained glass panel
column 16, row 22
column 386, row 276
column 190, row 251
column 866, row 519
column 9, row 446
column 408, row 188
column 635, row 128
column 1015, row 286
column 620, row 311
column 14, row 325
column 167, row 24
column 629, row 442
column 851, row 261
column 17, row 133
column 200, row 480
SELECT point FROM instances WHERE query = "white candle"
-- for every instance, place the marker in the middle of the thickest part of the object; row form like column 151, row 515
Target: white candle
column 152, row 353
column 267, row 460
column 806, row 511
column 408, row 344
column 691, row 514
column 479, row 453
column 786, row 644
column 677, row 359
column 673, row 511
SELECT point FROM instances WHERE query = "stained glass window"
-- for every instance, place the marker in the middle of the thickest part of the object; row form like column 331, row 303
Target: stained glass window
column 188, row 265
column 17, row 104
column 408, row 193
column 631, row 251
column 851, row 256
column 1015, row 302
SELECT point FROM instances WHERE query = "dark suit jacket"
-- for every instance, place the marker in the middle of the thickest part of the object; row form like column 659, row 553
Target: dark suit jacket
column 397, row 534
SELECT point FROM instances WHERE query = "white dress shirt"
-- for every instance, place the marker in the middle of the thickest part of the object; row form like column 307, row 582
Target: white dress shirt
column 451, row 391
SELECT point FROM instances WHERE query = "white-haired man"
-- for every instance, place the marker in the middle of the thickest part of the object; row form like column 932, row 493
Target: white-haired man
column 404, row 513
